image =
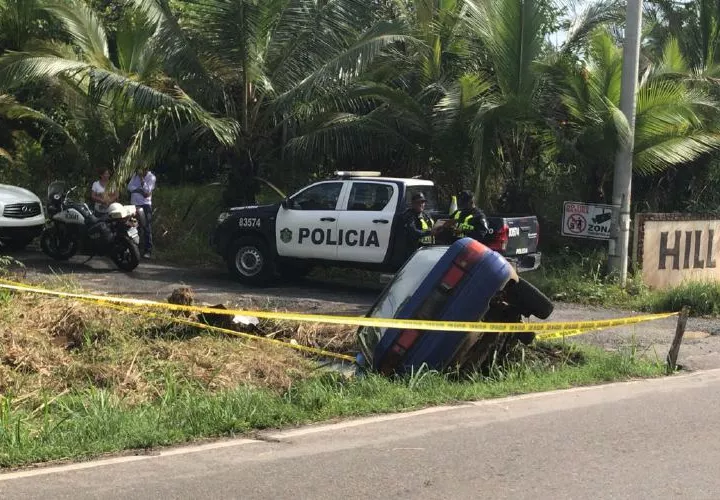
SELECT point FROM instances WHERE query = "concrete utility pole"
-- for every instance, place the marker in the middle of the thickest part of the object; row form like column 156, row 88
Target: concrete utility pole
column 622, row 179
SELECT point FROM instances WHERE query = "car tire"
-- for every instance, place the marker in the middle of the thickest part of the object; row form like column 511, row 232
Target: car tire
column 529, row 299
column 249, row 261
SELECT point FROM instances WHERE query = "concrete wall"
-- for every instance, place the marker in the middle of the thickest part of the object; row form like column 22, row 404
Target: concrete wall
column 672, row 248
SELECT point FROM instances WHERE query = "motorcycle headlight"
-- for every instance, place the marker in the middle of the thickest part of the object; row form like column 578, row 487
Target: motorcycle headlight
column 222, row 217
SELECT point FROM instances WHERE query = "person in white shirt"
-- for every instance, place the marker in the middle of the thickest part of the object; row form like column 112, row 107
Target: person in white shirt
column 100, row 194
column 141, row 187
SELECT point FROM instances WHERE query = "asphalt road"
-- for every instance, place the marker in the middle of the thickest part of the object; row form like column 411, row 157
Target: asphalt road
column 645, row 439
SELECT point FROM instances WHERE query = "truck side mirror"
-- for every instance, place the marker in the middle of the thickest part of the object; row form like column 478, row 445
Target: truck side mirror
column 285, row 203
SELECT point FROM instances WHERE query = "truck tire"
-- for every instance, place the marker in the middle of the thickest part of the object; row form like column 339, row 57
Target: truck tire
column 249, row 261
column 529, row 299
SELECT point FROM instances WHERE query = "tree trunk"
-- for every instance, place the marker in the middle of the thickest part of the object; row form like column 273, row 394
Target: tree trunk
column 242, row 187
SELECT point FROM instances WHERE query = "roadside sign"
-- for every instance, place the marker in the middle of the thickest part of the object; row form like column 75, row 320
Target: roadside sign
column 586, row 220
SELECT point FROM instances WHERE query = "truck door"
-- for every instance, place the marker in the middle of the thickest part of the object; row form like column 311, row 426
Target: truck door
column 365, row 221
column 307, row 228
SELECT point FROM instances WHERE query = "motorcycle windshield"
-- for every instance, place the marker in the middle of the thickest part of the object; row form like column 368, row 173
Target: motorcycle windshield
column 56, row 187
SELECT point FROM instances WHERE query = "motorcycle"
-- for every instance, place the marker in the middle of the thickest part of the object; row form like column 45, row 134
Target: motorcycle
column 73, row 228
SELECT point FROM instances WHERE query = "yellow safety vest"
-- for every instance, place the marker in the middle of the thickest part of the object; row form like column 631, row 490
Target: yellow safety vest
column 429, row 239
column 465, row 224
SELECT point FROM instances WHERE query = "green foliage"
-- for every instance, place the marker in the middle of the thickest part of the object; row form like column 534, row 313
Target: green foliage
column 702, row 299
column 95, row 421
column 578, row 277
column 467, row 92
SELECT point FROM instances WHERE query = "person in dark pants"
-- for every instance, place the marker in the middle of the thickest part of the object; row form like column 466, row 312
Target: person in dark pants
column 471, row 221
column 417, row 224
column 141, row 187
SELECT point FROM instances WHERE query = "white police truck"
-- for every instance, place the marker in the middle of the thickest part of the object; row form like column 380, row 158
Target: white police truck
column 353, row 220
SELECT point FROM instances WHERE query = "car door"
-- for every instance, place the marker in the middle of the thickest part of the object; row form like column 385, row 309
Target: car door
column 365, row 221
column 307, row 227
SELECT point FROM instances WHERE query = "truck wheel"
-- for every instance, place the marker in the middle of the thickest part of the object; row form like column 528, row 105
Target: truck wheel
column 529, row 299
column 249, row 261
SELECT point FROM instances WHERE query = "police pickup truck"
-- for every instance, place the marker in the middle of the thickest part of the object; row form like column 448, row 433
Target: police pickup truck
column 353, row 220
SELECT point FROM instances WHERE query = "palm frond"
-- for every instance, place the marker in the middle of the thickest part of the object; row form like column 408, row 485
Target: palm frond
column 18, row 22
column 155, row 138
column 179, row 55
column 347, row 64
column 591, row 16
column 84, row 27
column 511, row 32
column 17, row 69
column 675, row 151
column 348, row 137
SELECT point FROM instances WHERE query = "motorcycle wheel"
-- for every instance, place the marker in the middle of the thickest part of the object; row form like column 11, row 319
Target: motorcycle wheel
column 125, row 254
column 56, row 247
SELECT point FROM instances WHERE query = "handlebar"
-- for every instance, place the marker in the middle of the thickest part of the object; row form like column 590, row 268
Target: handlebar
column 67, row 194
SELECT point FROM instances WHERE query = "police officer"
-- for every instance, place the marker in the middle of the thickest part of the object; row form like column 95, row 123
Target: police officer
column 418, row 224
column 471, row 221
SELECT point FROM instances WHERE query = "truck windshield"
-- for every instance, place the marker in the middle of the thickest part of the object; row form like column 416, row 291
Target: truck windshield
column 406, row 282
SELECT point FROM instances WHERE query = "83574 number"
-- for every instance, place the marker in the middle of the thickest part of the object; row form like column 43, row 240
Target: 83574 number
column 248, row 222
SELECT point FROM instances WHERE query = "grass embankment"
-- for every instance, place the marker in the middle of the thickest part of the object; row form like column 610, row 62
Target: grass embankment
column 79, row 381
column 580, row 278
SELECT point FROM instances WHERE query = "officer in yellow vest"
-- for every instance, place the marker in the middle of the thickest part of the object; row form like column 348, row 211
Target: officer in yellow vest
column 418, row 224
column 471, row 221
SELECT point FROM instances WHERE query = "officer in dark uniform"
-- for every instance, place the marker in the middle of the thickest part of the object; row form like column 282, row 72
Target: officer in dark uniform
column 418, row 224
column 470, row 220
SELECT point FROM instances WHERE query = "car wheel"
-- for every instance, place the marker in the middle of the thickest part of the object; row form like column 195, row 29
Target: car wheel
column 529, row 299
column 249, row 261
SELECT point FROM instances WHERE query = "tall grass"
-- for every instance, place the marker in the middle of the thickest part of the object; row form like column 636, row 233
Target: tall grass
column 580, row 278
column 183, row 219
column 96, row 420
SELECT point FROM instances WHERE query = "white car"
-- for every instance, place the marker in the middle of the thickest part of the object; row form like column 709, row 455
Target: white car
column 21, row 217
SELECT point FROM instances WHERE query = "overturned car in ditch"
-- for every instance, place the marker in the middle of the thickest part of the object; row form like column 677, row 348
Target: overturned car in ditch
column 465, row 281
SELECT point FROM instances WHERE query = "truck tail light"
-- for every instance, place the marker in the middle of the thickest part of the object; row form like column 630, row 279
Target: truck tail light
column 500, row 241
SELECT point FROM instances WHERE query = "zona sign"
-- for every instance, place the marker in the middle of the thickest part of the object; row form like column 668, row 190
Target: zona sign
column 586, row 220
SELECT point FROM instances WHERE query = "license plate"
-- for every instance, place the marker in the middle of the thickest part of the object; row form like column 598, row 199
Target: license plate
column 133, row 233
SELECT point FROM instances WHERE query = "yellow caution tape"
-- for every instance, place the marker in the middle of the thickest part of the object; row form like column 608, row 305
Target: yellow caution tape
column 410, row 324
column 248, row 336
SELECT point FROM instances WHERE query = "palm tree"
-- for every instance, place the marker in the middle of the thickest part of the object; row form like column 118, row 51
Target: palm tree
column 275, row 68
column 393, row 107
column 674, row 123
column 16, row 119
column 18, row 23
column 248, row 73
column 100, row 94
